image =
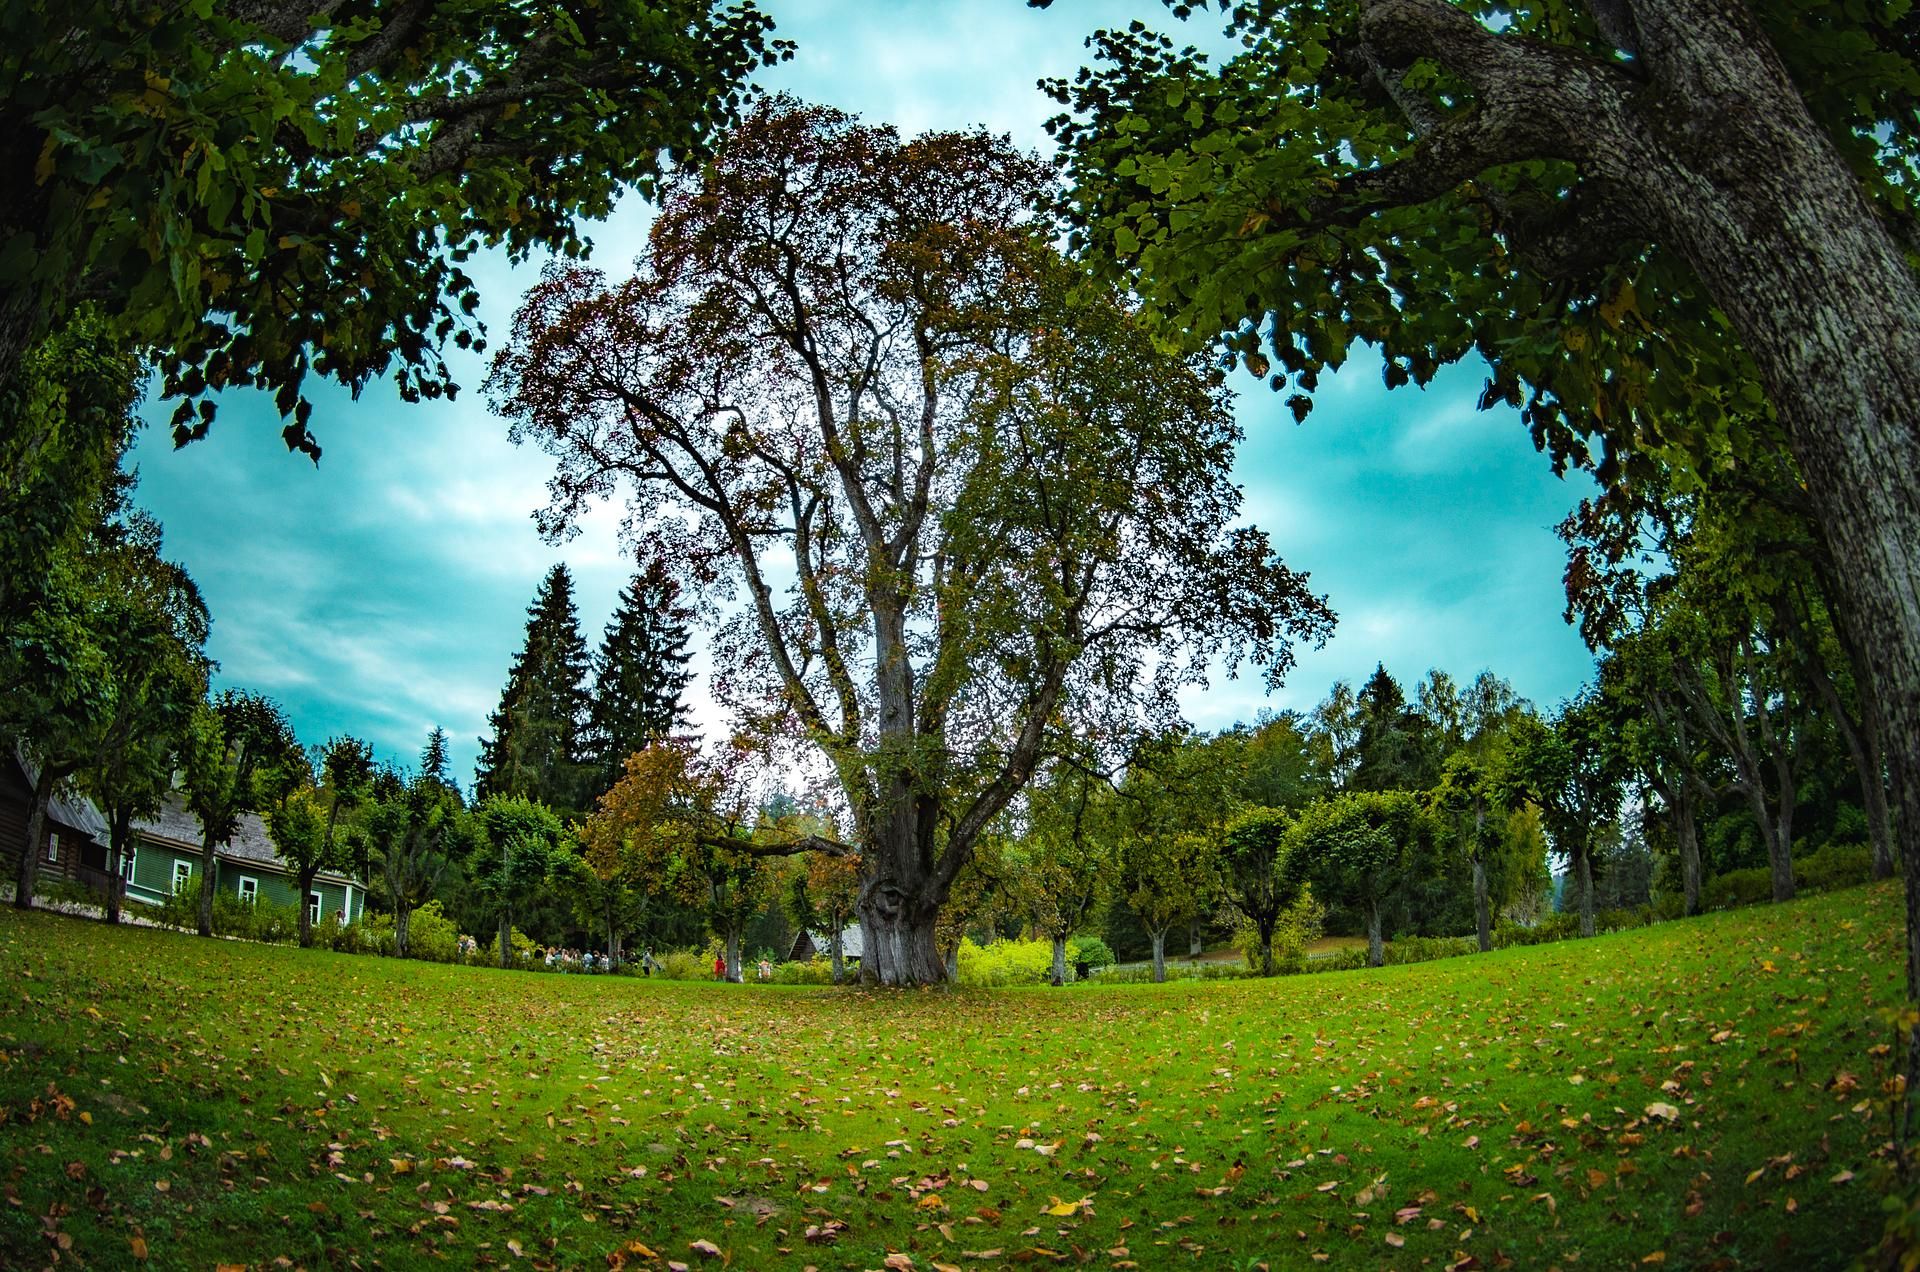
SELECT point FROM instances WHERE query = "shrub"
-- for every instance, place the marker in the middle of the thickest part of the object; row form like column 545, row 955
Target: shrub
column 1425, row 949
column 1834, row 866
column 1341, row 960
column 431, row 935
column 1176, row 972
column 180, row 909
column 685, row 965
column 66, row 892
column 1006, row 963
column 815, row 971
column 1299, row 925
column 1738, row 887
column 1090, row 952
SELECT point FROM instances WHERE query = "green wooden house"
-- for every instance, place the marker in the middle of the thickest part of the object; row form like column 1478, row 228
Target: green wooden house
column 166, row 857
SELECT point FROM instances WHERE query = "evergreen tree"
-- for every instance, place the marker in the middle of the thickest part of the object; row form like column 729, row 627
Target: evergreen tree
column 435, row 764
column 640, row 673
column 536, row 746
column 1396, row 747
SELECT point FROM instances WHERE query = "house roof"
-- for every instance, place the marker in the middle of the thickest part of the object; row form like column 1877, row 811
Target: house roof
column 250, row 843
column 849, row 941
column 71, row 809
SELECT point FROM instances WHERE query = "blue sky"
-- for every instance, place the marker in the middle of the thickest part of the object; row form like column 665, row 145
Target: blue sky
column 384, row 591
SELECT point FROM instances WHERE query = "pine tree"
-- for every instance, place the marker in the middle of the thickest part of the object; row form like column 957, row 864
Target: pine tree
column 640, row 673
column 536, row 747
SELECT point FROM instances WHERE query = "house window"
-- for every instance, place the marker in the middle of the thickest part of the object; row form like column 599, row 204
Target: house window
column 182, row 875
column 53, row 845
column 249, row 889
column 126, row 864
column 313, row 907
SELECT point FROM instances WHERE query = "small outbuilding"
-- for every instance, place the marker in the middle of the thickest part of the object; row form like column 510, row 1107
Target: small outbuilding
column 811, row 945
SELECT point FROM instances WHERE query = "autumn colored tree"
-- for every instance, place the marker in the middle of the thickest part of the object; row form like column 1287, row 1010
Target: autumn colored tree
column 826, row 892
column 264, row 191
column 854, row 360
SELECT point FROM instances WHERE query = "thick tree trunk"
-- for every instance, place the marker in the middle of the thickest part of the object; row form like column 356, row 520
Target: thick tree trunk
column 897, row 939
column 36, row 839
column 1265, row 930
column 836, row 956
column 1583, row 885
column 1059, row 959
column 1196, row 945
column 402, row 922
column 1482, row 912
column 1159, row 956
column 208, row 851
column 1376, row 939
column 734, row 973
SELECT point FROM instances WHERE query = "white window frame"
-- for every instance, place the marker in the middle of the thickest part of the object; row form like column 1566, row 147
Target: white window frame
column 53, row 846
column 314, row 903
column 249, row 889
column 182, row 874
column 126, row 863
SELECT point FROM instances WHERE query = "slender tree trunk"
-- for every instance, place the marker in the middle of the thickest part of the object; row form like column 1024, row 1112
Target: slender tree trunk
column 1195, row 942
column 734, row 973
column 953, row 964
column 1376, row 940
column 1265, row 929
column 1059, row 959
column 1688, row 837
column 208, row 851
column 1159, row 936
column 836, row 956
column 306, row 910
column 1583, row 884
column 1482, row 912
column 402, row 921
column 506, row 940
column 119, row 830
column 36, row 837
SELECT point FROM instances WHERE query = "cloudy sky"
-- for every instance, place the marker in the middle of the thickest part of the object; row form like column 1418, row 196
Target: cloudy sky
column 384, row 591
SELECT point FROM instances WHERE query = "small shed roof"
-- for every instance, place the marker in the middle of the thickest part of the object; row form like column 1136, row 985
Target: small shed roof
column 69, row 808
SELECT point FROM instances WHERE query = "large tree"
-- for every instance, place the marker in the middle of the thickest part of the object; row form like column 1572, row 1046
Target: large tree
column 266, row 190
column 1254, row 874
column 537, row 746
column 855, row 361
column 640, row 672
column 1353, row 851
column 1657, row 220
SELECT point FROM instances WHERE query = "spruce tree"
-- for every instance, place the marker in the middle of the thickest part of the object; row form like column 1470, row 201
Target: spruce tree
column 536, row 748
column 640, row 673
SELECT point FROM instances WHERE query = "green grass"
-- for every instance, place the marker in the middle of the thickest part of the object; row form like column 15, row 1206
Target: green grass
column 213, row 1101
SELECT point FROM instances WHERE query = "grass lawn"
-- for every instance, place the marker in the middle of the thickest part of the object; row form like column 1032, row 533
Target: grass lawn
column 1701, row 1093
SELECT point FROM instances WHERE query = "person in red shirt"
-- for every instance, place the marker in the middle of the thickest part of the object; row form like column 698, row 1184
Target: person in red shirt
column 719, row 967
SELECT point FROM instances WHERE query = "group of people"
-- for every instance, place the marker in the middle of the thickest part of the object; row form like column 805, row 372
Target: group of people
column 765, row 968
column 570, row 960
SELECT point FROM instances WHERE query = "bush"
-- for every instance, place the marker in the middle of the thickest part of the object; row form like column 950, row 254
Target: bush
column 1425, row 949
column 1342, row 960
column 431, row 935
column 815, row 971
column 1834, row 866
column 1299, row 925
column 1006, row 963
column 66, row 892
column 1752, row 886
column 254, row 920
column 1089, row 952
column 684, row 965
column 180, row 909
column 1553, row 927
column 1176, row 972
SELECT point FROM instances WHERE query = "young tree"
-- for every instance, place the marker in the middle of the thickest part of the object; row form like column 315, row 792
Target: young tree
column 1173, row 802
column 1468, row 795
column 1255, row 875
column 520, row 845
column 270, row 189
column 298, row 826
column 854, row 361
column 239, row 747
column 536, row 749
column 1570, row 770
column 1352, row 850
column 409, row 827
column 823, row 898
column 1065, row 862
column 640, row 672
